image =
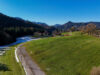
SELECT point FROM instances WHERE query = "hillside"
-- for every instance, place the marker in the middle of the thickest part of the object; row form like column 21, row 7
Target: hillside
column 13, row 27
column 68, row 55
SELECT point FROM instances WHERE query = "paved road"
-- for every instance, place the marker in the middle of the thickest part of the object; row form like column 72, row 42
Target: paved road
column 30, row 67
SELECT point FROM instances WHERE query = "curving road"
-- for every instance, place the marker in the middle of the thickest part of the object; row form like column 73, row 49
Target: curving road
column 30, row 67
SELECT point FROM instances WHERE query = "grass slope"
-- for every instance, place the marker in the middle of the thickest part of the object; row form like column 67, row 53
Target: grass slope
column 68, row 55
column 9, row 60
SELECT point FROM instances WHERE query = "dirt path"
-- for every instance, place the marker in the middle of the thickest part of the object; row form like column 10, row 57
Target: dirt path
column 30, row 67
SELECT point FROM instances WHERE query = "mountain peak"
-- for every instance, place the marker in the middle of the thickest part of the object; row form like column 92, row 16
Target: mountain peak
column 69, row 22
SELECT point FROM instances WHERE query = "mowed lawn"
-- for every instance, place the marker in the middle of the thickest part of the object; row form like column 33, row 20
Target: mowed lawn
column 67, row 55
column 9, row 60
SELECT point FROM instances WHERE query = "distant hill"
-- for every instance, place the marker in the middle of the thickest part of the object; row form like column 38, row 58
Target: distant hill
column 57, row 25
column 42, row 24
column 70, row 24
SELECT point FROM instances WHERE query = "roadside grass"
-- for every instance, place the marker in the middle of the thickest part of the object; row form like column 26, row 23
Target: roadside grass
column 8, row 59
column 67, row 55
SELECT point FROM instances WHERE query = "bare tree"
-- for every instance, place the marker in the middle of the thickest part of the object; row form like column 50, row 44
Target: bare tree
column 82, row 29
column 90, row 28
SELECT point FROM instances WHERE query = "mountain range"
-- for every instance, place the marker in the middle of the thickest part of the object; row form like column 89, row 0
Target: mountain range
column 70, row 24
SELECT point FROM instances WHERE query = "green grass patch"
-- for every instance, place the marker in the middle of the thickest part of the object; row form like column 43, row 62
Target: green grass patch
column 68, row 55
column 14, row 68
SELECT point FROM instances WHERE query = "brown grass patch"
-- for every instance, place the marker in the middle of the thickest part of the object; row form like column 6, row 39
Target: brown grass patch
column 95, row 71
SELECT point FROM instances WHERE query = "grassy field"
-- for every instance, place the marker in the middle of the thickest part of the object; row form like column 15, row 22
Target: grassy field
column 68, row 55
column 10, row 63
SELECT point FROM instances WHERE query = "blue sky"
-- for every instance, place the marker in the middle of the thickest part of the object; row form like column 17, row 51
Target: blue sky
column 52, row 11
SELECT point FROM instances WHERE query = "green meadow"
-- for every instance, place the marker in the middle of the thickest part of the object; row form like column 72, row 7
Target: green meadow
column 67, row 55
column 11, row 67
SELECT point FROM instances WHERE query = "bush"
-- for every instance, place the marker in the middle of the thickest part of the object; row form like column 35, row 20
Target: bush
column 3, row 67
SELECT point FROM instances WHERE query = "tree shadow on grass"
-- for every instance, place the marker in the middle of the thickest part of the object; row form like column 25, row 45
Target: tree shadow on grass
column 4, row 67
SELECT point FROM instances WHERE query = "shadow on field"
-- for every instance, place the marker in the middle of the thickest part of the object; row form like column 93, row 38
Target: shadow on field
column 4, row 67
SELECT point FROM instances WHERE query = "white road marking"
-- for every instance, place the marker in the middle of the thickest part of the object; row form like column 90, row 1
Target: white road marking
column 16, row 55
